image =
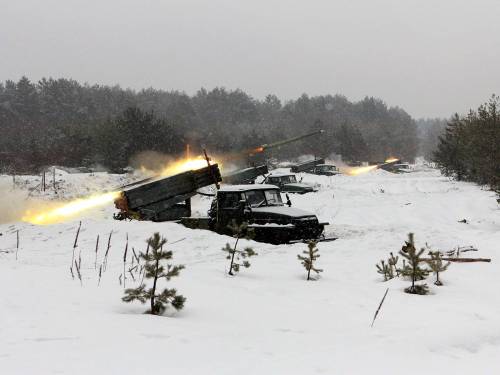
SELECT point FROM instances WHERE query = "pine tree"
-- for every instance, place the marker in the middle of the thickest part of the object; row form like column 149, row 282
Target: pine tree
column 413, row 270
column 436, row 264
column 468, row 149
column 385, row 270
column 155, row 270
column 309, row 257
column 236, row 256
column 393, row 262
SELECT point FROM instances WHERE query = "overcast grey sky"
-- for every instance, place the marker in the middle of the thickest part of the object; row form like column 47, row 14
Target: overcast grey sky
column 431, row 57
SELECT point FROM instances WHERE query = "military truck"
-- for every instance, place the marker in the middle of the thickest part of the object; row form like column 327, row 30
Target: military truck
column 167, row 198
column 325, row 170
column 261, row 206
column 395, row 166
column 287, row 182
column 307, row 165
column 246, row 175
column 402, row 168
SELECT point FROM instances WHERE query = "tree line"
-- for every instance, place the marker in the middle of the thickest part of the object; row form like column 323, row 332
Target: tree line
column 469, row 149
column 63, row 122
column 429, row 131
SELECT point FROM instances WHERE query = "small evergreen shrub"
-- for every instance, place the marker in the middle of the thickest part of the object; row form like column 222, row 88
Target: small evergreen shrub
column 385, row 269
column 309, row 257
column 413, row 269
column 437, row 266
column 155, row 270
column 239, row 258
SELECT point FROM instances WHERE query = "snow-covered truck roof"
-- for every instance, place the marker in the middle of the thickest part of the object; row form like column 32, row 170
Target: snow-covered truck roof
column 229, row 188
column 281, row 174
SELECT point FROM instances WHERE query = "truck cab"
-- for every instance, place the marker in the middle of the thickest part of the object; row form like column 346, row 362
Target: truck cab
column 261, row 206
column 395, row 167
column 402, row 168
column 325, row 170
column 287, row 182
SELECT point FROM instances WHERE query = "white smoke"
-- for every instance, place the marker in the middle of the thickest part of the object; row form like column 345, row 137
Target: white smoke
column 13, row 203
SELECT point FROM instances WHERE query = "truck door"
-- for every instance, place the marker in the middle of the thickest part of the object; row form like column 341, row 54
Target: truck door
column 229, row 209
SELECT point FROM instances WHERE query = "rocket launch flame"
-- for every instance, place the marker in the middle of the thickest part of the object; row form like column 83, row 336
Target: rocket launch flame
column 66, row 211
column 360, row 170
column 185, row 165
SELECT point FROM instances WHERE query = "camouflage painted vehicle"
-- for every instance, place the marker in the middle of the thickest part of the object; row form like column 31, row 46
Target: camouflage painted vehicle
column 287, row 182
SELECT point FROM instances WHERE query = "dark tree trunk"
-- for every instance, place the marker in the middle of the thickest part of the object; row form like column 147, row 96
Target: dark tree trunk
column 413, row 278
column 438, row 282
column 154, row 289
column 232, row 257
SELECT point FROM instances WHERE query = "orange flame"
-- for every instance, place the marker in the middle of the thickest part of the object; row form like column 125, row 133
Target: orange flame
column 256, row 150
column 60, row 212
column 360, row 170
column 185, row 165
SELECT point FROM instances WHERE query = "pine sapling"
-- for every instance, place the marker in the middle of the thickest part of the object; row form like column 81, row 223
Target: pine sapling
column 239, row 258
column 385, row 269
column 155, row 270
column 309, row 257
column 436, row 265
column 393, row 262
column 413, row 269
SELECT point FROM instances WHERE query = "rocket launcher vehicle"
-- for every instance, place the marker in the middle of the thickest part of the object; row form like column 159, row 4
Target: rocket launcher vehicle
column 164, row 199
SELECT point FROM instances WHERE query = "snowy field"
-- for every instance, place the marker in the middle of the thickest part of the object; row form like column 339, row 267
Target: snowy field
column 267, row 319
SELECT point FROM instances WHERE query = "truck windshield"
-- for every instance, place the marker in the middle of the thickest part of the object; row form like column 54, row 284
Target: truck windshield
column 288, row 179
column 273, row 198
column 260, row 198
column 255, row 198
column 328, row 168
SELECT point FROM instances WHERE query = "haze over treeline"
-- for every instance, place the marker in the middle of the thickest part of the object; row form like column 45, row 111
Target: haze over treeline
column 63, row 122
column 432, row 58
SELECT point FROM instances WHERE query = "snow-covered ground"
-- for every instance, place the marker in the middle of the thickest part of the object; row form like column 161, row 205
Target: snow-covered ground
column 267, row 319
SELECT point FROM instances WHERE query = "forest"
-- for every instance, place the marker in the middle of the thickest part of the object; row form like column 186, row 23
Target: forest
column 469, row 150
column 66, row 123
column 62, row 122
